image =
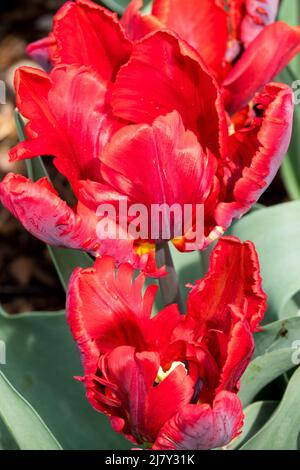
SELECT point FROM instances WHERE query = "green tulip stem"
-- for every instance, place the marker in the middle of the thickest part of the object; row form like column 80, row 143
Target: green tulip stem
column 169, row 285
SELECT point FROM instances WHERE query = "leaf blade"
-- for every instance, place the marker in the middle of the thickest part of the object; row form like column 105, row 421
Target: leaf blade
column 282, row 431
column 43, row 360
column 22, row 421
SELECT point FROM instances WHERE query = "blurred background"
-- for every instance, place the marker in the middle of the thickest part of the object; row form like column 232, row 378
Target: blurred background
column 28, row 280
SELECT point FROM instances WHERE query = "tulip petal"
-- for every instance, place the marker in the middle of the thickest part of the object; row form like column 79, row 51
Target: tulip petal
column 232, row 286
column 159, row 408
column 264, row 58
column 93, row 194
column 240, row 349
column 249, row 17
column 165, row 74
column 63, row 120
column 42, row 51
column 137, row 25
column 174, row 168
column 256, row 152
column 201, row 427
column 133, row 374
column 39, row 208
column 163, row 325
column 258, row 15
column 32, row 87
column 90, row 35
column 202, row 26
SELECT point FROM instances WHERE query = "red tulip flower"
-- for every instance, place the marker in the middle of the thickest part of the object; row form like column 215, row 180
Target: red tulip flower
column 142, row 121
column 239, row 39
column 169, row 381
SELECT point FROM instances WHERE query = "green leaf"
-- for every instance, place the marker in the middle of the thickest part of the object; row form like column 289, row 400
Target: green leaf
column 23, row 423
column 120, row 5
column 275, row 347
column 275, row 232
column 290, row 168
column 277, row 335
column 256, row 415
column 42, row 360
column 290, row 172
column 282, row 431
column 64, row 260
column 289, row 12
column 6, row 440
column 263, row 370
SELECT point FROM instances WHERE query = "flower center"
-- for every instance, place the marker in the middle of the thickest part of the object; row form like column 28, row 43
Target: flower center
column 162, row 375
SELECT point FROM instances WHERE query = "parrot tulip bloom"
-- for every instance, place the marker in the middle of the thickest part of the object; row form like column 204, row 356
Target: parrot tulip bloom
column 141, row 121
column 239, row 39
column 134, row 363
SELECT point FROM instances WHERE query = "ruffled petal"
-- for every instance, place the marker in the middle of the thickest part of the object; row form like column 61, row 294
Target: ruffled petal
column 232, row 286
column 106, row 311
column 203, row 26
column 68, row 118
column 32, row 87
column 39, row 208
column 256, row 152
column 201, row 427
column 90, row 35
column 163, row 75
column 264, row 58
